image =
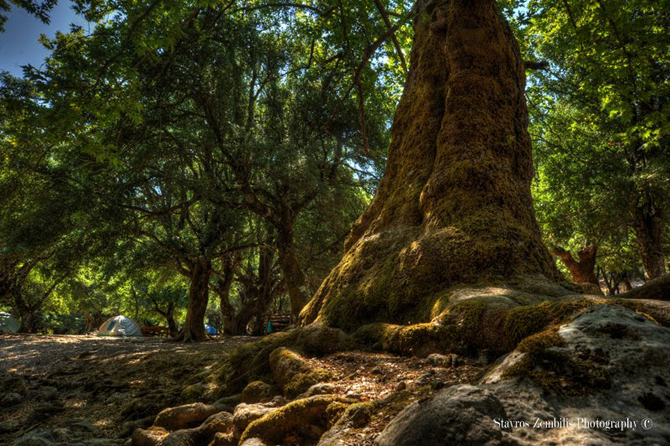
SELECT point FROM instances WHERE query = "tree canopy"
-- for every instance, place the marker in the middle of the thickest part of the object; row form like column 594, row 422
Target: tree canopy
column 175, row 151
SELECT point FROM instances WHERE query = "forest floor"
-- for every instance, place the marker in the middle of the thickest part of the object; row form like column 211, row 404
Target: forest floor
column 87, row 387
column 83, row 389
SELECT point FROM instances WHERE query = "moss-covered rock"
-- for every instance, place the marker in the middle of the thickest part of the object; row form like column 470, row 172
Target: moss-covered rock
column 547, row 363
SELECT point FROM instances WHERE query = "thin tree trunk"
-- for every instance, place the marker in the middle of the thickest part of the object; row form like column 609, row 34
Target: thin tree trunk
column 28, row 320
column 171, row 323
column 582, row 270
column 198, row 297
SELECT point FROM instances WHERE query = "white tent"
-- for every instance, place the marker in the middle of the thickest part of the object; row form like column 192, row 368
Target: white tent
column 8, row 323
column 119, row 326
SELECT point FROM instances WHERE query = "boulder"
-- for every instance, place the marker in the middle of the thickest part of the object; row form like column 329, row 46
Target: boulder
column 601, row 378
column 461, row 414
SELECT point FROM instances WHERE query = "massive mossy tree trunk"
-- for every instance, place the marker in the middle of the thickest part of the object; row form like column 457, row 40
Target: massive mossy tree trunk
column 198, row 297
column 454, row 205
column 582, row 270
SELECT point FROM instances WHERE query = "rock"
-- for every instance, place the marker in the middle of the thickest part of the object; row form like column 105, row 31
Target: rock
column 245, row 414
column 609, row 363
column 359, row 414
column 258, row 392
column 181, row 417
column 37, row 437
column 11, row 399
column 438, row 360
column 148, row 437
column 293, row 374
column 458, row 415
column 319, row 389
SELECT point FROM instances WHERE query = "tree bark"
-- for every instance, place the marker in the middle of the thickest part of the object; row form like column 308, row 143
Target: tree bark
column 648, row 228
column 582, row 270
column 259, row 290
column 28, row 321
column 454, row 205
column 172, row 324
column 198, row 297
column 296, row 281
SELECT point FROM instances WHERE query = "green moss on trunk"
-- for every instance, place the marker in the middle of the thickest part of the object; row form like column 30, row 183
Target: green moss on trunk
column 454, row 205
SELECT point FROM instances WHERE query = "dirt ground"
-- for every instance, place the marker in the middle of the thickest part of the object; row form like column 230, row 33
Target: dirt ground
column 88, row 390
column 89, row 387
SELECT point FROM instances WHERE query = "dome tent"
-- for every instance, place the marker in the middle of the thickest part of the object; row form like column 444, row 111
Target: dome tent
column 119, row 326
column 210, row 330
column 8, row 323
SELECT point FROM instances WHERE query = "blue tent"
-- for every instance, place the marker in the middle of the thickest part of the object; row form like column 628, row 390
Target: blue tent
column 210, row 329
